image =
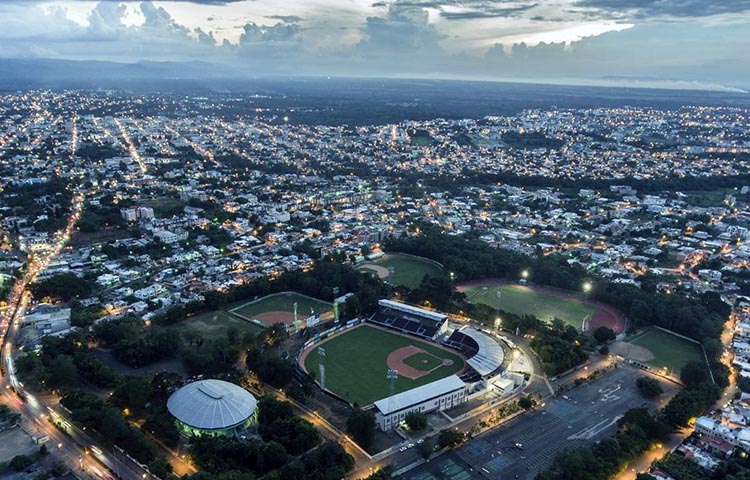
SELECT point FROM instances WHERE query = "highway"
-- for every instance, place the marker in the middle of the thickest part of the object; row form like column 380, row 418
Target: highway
column 40, row 413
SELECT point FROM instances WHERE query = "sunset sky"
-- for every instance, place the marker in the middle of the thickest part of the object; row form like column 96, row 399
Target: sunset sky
column 640, row 42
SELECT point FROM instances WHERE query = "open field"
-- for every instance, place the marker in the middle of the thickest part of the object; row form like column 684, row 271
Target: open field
column 213, row 325
column 401, row 269
column 659, row 349
column 357, row 360
column 520, row 300
column 279, row 307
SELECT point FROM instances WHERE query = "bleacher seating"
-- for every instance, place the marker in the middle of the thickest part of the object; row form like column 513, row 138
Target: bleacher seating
column 463, row 343
column 406, row 322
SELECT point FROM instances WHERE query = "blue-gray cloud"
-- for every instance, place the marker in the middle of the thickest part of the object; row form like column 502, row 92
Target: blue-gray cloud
column 645, row 9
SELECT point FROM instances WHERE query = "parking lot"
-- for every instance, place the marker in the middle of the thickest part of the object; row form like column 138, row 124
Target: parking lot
column 527, row 444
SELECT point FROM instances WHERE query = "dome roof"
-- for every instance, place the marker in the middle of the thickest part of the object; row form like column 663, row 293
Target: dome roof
column 211, row 404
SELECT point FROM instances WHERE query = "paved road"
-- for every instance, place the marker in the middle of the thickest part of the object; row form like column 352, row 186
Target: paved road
column 589, row 414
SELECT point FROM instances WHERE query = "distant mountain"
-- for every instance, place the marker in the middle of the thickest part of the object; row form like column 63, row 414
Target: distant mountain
column 51, row 73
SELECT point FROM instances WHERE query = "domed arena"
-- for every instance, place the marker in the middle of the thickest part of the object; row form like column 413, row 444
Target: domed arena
column 212, row 407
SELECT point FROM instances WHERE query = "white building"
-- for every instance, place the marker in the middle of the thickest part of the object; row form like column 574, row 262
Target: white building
column 736, row 436
column 165, row 236
column 129, row 214
column 438, row 395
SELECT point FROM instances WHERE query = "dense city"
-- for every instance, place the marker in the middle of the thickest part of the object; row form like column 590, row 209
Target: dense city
column 201, row 286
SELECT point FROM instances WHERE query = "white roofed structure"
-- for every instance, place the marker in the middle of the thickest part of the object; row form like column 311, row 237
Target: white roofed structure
column 438, row 317
column 415, row 396
column 212, row 406
column 489, row 356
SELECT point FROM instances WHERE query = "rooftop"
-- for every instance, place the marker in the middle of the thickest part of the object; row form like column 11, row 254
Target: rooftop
column 211, row 404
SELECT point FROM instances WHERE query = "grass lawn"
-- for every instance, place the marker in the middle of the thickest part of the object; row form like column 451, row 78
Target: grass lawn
column 283, row 302
column 521, row 300
column 423, row 361
column 669, row 350
column 212, row 325
column 404, row 269
column 355, row 364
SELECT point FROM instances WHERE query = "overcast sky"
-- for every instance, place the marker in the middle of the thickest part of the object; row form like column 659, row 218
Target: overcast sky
column 681, row 43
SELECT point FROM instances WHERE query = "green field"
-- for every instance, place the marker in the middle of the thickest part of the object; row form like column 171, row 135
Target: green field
column 403, row 269
column 355, row 364
column 423, row 361
column 283, row 302
column 521, row 300
column 213, row 325
column 668, row 350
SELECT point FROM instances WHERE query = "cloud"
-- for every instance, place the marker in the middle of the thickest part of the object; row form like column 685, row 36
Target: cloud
column 197, row 2
column 285, row 18
column 508, row 39
column 650, row 9
column 405, row 30
column 280, row 32
column 487, row 11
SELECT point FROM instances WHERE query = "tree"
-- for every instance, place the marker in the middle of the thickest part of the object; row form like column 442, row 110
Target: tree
column 450, row 438
column 65, row 286
column 63, row 372
column 361, row 426
column 416, row 421
column 20, row 463
column 160, row 467
column 694, row 373
column 649, row 387
column 604, row 335
column 525, row 402
column 425, row 448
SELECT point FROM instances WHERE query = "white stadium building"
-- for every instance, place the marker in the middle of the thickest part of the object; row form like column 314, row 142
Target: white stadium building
column 212, row 407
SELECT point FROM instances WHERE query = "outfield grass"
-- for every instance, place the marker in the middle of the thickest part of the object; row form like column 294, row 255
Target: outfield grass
column 213, row 325
column 669, row 350
column 283, row 302
column 355, row 364
column 404, row 269
column 521, row 300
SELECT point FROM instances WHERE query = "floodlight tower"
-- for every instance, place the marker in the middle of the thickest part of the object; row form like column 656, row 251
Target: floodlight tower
column 497, row 317
column 321, row 367
column 391, row 375
column 296, row 321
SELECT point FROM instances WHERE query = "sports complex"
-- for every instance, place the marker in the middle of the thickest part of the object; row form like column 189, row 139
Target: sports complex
column 400, row 268
column 404, row 359
column 280, row 308
column 544, row 303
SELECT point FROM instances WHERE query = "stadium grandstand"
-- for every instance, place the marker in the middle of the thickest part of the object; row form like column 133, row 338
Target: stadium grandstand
column 483, row 353
column 410, row 319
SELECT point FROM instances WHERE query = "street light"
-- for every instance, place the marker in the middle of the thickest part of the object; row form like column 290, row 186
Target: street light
column 525, row 274
column 587, row 287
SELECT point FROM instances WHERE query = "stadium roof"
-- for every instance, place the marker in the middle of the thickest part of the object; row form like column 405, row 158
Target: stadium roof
column 412, row 309
column 418, row 395
column 490, row 355
column 211, row 404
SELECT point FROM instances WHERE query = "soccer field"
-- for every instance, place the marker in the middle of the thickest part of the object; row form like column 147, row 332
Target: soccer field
column 400, row 269
column 520, row 300
column 356, row 363
column 280, row 306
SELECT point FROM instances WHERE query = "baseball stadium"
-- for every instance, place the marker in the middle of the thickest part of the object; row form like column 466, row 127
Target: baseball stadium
column 404, row 358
